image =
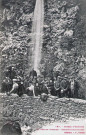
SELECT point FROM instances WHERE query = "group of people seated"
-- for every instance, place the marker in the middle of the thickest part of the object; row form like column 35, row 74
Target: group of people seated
column 35, row 85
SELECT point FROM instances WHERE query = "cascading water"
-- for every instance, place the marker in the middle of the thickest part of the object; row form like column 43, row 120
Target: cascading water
column 37, row 32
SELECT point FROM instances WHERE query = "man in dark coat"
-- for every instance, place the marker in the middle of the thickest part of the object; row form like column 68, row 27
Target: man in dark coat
column 74, row 85
column 38, row 85
column 33, row 73
column 51, row 87
column 65, row 90
column 57, row 86
column 10, row 72
column 21, row 89
column 6, row 85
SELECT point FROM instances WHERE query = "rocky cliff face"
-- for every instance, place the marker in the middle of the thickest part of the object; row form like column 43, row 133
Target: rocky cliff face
column 63, row 48
column 16, row 23
column 63, row 40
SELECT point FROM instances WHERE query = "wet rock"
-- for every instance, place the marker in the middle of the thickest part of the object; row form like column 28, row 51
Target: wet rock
column 44, row 97
column 10, row 128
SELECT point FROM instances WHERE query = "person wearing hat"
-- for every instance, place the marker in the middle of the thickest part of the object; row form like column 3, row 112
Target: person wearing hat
column 17, row 87
column 74, row 85
column 64, row 85
column 11, row 72
column 57, row 86
column 6, row 84
column 51, row 87
column 33, row 74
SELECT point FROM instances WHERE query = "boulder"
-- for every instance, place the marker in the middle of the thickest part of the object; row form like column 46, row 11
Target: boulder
column 11, row 128
column 44, row 97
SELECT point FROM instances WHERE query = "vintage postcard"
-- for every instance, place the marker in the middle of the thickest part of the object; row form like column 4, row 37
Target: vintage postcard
column 42, row 67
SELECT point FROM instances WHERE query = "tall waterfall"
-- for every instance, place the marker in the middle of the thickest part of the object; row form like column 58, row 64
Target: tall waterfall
column 37, row 32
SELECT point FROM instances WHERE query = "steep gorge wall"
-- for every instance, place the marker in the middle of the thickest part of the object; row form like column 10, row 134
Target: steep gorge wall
column 16, row 26
column 64, row 41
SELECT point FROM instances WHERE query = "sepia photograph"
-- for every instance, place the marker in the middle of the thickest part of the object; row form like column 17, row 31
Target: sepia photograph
column 42, row 67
